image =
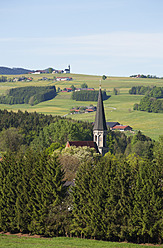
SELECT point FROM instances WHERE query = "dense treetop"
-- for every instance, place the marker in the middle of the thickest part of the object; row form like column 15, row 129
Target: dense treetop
column 154, row 91
column 86, row 95
column 152, row 101
column 42, row 129
column 29, row 95
column 117, row 197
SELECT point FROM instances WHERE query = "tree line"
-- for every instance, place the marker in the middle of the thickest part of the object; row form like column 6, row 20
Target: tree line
column 149, row 104
column 153, row 91
column 3, row 79
column 20, row 130
column 145, row 76
column 28, row 125
column 152, row 101
column 87, row 95
column 28, row 95
column 39, row 131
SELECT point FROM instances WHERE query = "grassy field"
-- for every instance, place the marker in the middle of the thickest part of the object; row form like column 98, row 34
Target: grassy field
column 117, row 108
column 13, row 241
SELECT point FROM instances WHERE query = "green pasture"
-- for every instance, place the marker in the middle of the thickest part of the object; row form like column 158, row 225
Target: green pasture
column 117, row 108
column 13, row 241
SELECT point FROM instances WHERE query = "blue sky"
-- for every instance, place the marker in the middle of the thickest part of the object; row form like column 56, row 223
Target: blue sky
column 111, row 37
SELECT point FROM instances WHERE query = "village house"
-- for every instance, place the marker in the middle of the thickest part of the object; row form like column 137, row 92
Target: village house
column 57, row 71
column 67, row 90
column 22, row 79
column 39, row 72
column 83, row 109
column 62, row 71
column 112, row 124
column 122, row 128
column 89, row 110
column 64, row 79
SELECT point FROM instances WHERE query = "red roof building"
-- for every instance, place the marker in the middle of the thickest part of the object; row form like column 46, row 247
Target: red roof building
column 122, row 128
column 89, row 110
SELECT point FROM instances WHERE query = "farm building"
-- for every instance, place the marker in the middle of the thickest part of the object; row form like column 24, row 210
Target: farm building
column 112, row 124
column 122, row 128
column 63, row 78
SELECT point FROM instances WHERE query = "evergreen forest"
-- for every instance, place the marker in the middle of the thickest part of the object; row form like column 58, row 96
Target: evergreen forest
column 88, row 95
column 51, row 190
column 152, row 101
column 28, row 95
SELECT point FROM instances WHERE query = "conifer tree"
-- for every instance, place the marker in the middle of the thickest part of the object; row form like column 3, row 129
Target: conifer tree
column 48, row 190
column 8, row 183
column 147, row 204
column 30, row 184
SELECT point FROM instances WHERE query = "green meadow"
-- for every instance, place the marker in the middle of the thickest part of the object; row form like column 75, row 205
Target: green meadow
column 117, row 108
column 13, row 241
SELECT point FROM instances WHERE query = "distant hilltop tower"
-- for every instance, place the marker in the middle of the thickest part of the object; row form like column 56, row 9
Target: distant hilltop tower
column 67, row 70
column 100, row 127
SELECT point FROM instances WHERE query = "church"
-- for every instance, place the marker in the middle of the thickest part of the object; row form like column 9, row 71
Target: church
column 99, row 131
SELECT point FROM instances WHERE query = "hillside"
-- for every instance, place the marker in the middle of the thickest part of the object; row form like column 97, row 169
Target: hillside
column 117, row 107
column 13, row 71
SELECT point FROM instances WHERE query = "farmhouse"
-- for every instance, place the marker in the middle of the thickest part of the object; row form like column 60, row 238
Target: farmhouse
column 67, row 90
column 39, row 72
column 82, row 109
column 122, row 128
column 112, row 124
column 63, row 78
column 62, row 71
column 89, row 110
column 22, row 79
column 57, row 71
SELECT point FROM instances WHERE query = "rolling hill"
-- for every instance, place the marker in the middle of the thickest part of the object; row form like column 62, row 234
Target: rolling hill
column 117, row 108
column 13, row 71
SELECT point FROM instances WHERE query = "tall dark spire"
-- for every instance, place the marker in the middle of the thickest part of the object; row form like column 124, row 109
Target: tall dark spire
column 100, row 122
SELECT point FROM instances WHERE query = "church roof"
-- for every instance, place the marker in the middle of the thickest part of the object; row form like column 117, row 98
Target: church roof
column 100, row 122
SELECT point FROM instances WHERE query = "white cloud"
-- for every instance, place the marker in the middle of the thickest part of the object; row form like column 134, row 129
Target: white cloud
column 120, row 44
column 121, row 49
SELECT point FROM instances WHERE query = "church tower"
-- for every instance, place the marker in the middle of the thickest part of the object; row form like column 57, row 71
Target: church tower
column 100, row 127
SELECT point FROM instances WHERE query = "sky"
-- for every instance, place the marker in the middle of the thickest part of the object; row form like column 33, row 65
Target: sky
column 97, row 37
